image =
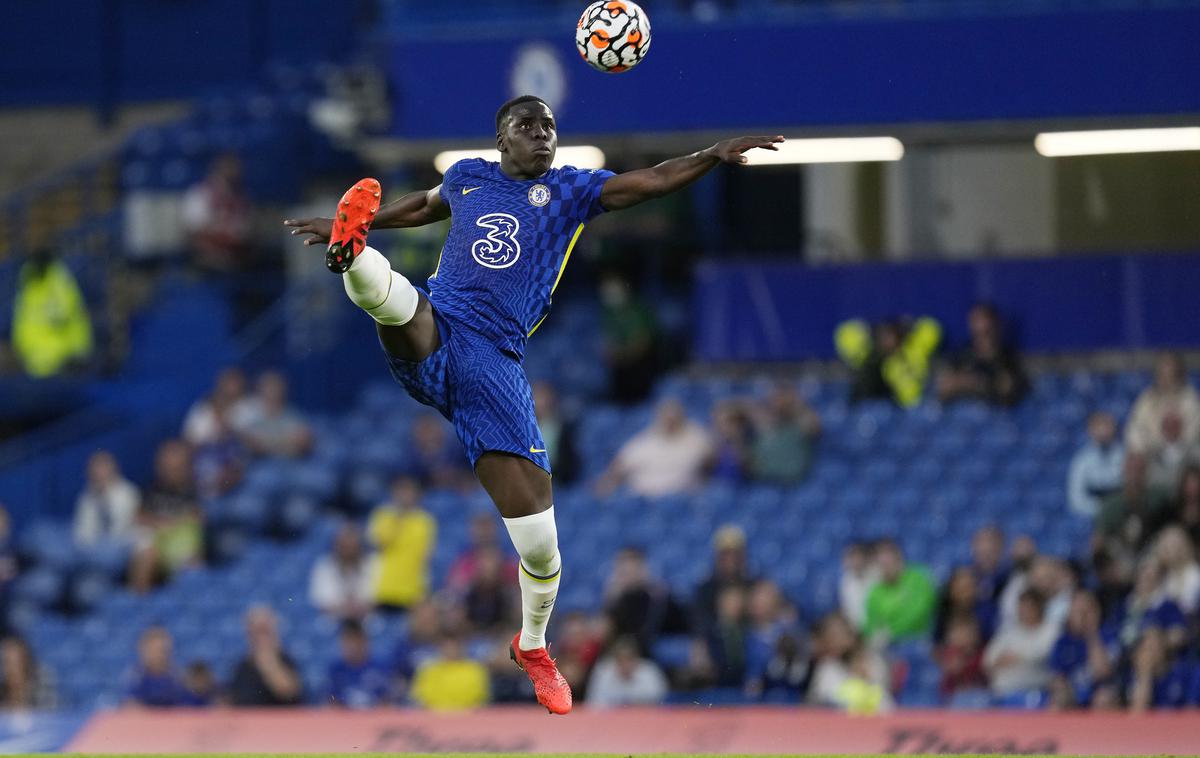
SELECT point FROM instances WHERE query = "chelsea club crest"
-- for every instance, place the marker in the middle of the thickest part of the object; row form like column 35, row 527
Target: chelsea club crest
column 539, row 195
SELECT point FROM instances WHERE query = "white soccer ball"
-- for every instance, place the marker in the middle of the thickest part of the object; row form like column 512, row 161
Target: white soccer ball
column 613, row 35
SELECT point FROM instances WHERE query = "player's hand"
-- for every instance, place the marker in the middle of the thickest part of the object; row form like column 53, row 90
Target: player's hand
column 319, row 228
column 731, row 150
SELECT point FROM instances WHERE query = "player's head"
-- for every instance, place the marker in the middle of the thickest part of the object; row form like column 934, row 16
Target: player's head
column 526, row 136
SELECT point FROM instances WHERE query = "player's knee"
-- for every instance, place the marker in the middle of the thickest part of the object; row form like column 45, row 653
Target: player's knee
column 541, row 557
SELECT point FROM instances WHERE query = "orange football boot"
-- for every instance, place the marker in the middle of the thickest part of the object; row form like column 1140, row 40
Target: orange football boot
column 354, row 215
column 551, row 689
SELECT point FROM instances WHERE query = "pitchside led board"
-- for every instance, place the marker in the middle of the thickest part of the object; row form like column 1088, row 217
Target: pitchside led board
column 827, row 71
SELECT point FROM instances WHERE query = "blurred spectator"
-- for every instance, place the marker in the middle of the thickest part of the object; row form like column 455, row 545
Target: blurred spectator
column 434, row 459
column 1181, row 574
column 902, row 602
column 1017, row 658
column 890, row 360
column 199, row 684
column 1055, row 584
column 216, row 217
column 417, row 645
column 1187, row 503
column 630, row 336
column 960, row 597
column 492, row 602
column 577, row 647
column 107, row 509
column 219, row 461
column 51, row 328
column 1148, row 606
column 637, row 605
column 8, row 568
column 987, row 561
column 859, row 575
column 1170, row 402
column 342, row 583
column 960, row 656
column 483, row 537
column 859, row 693
column 451, row 681
column 769, row 618
column 733, row 434
column 987, row 369
column 271, row 426
column 728, row 638
column 836, row 645
column 558, row 433
column 1097, row 468
column 267, row 676
column 788, row 670
column 783, row 447
column 730, row 569
column 404, row 535
column 170, row 518
column 24, row 683
column 1155, row 680
column 355, row 680
column 229, row 392
column 1084, row 657
column 155, row 682
column 666, row 458
column 1111, row 583
column 624, row 677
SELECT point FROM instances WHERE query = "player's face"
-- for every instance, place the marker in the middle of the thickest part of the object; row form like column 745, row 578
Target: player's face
column 529, row 139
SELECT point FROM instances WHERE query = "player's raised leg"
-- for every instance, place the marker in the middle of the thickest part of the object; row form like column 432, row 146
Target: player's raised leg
column 522, row 493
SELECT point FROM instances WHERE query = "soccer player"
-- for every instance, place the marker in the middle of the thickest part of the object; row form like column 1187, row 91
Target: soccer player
column 458, row 345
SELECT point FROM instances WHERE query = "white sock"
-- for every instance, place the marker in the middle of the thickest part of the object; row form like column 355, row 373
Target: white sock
column 536, row 540
column 385, row 295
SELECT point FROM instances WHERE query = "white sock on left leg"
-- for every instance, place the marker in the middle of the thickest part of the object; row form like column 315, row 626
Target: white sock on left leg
column 536, row 540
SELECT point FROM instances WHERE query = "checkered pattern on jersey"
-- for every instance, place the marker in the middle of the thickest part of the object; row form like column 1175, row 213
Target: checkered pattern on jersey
column 483, row 391
column 507, row 245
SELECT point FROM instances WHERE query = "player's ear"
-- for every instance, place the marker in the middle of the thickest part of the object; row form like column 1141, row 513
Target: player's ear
column 500, row 143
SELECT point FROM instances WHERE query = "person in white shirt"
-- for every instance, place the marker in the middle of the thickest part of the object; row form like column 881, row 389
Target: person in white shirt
column 342, row 583
column 623, row 677
column 1097, row 468
column 1017, row 659
column 859, row 575
column 666, row 458
column 201, row 426
column 1054, row 583
column 107, row 509
column 1181, row 574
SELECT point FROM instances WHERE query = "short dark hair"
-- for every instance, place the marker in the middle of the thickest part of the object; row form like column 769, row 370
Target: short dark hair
column 502, row 114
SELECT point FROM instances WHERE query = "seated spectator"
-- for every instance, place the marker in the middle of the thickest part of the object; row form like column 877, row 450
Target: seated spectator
column 216, row 215
column 417, row 645
column 1171, row 403
column 435, row 460
column 788, row 671
column 769, row 617
column 960, row 597
column 733, row 434
column 1147, row 606
column 492, row 602
column 24, row 683
column 355, row 680
column 267, row 675
column 1018, row 657
column 859, row 575
column 890, row 360
column 836, row 647
column 1156, row 680
column 987, row 561
column 730, row 569
column 107, row 509
column 1097, row 468
column 170, row 519
column 785, row 441
column 1181, row 574
column 272, row 427
column 1187, row 503
column 8, row 569
column 220, row 461
column 51, row 327
column 901, row 604
column 630, row 333
column 987, row 369
column 451, row 681
column 1085, row 656
column 666, row 458
column 637, row 605
column 342, row 583
column 624, row 677
column 728, row 638
column 155, row 682
column 579, row 642
column 200, row 686
column 404, row 535
column 860, row 693
column 1054, row 583
column 960, row 656
column 483, row 537
column 229, row 392
column 1111, row 583
column 558, row 433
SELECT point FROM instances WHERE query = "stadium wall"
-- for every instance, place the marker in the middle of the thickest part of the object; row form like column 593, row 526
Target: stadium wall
column 630, row 731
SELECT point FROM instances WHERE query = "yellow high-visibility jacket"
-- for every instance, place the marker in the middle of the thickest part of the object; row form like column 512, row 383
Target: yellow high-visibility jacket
column 51, row 326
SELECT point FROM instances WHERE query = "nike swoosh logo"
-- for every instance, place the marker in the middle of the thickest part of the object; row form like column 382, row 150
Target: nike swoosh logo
column 532, row 450
column 468, row 190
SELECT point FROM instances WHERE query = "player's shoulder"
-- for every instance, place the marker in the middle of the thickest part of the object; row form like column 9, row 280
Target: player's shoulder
column 574, row 175
column 471, row 168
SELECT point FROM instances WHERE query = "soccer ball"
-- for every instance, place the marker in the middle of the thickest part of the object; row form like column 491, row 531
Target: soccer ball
column 613, row 35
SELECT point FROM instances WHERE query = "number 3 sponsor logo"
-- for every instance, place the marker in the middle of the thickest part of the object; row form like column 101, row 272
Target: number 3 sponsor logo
column 499, row 247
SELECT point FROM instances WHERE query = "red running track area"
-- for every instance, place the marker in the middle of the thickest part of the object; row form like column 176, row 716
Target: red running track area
column 650, row 730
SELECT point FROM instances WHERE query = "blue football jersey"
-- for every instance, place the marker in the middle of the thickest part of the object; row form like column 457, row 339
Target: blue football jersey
column 508, row 244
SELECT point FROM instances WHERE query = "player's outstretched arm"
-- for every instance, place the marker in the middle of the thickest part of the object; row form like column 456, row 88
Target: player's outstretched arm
column 413, row 209
column 633, row 187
